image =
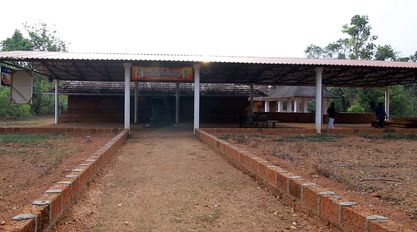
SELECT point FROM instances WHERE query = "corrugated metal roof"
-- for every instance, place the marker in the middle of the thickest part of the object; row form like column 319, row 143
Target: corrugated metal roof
column 128, row 57
column 219, row 69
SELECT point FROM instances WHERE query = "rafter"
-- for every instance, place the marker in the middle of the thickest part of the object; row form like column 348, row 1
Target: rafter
column 24, row 68
column 80, row 74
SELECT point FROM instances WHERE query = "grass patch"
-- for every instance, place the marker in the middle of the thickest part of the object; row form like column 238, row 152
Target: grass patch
column 390, row 136
column 309, row 138
column 24, row 138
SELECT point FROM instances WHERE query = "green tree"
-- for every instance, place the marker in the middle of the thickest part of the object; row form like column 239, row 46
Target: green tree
column 385, row 52
column 39, row 38
column 360, row 44
column 16, row 42
column 43, row 39
column 360, row 41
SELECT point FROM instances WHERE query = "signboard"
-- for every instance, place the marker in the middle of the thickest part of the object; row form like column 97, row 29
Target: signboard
column 22, row 87
column 161, row 74
column 6, row 76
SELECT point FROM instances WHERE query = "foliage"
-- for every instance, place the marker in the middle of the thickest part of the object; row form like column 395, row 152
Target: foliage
column 8, row 110
column 390, row 136
column 356, row 109
column 43, row 39
column 360, row 45
column 16, row 42
column 385, row 52
column 39, row 38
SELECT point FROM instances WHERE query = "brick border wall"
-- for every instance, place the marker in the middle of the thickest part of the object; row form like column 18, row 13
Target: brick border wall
column 59, row 130
column 297, row 192
column 298, row 131
column 49, row 207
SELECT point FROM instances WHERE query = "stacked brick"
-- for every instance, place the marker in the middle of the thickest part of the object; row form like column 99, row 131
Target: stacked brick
column 49, row 207
column 300, row 194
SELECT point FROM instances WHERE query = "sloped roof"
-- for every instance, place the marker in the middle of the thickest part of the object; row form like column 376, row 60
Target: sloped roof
column 132, row 57
column 219, row 69
column 293, row 91
column 153, row 89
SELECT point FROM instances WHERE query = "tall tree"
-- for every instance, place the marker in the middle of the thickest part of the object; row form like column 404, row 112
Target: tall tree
column 360, row 44
column 360, row 41
column 43, row 39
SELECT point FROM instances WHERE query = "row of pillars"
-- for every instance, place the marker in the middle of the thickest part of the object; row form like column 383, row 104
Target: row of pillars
column 292, row 105
column 127, row 68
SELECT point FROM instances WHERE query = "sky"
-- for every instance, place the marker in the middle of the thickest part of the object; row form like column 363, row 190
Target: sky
column 269, row 28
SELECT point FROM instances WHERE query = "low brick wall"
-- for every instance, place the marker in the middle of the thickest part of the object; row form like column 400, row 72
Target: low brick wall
column 298, row 131
column 49, row 207
column 59, row 130
column 299, row 117
column 296, row 192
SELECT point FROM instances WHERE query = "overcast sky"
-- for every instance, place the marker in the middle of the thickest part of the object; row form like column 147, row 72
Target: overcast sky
column 213, row 27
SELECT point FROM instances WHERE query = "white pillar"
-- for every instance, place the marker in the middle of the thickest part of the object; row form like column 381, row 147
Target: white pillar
column 127, row 94
column 196, row 96
column 266, row 106
column 319, row 73
column 56, row 100
column 177, row 103
column 136, row 102
column 279, row 105
column 387, row 102
column 305, row 105
column 251, row 98
column 295, row 105
column 289, row 105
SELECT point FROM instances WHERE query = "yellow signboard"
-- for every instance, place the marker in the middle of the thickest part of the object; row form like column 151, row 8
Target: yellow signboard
column 161, row 74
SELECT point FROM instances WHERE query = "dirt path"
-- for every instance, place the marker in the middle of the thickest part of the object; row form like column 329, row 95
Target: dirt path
column 172, row 182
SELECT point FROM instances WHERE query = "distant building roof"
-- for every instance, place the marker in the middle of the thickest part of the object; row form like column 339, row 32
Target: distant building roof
column 277, row 92
column 153, row 89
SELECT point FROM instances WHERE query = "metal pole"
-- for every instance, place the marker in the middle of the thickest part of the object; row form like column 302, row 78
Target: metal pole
column 387, row 101
column 177, row 103
column 196, row 96
column 251, row 98
column 127, row 94
column 319, row 73
column 56, row 83
column 136, row 102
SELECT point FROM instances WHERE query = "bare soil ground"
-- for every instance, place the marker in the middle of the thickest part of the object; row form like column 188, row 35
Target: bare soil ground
column 170, row 181
column 30, row 164
column 377, row 171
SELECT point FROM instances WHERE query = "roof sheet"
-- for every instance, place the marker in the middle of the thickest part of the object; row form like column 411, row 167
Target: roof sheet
column 130, row 57
column 219, row 69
